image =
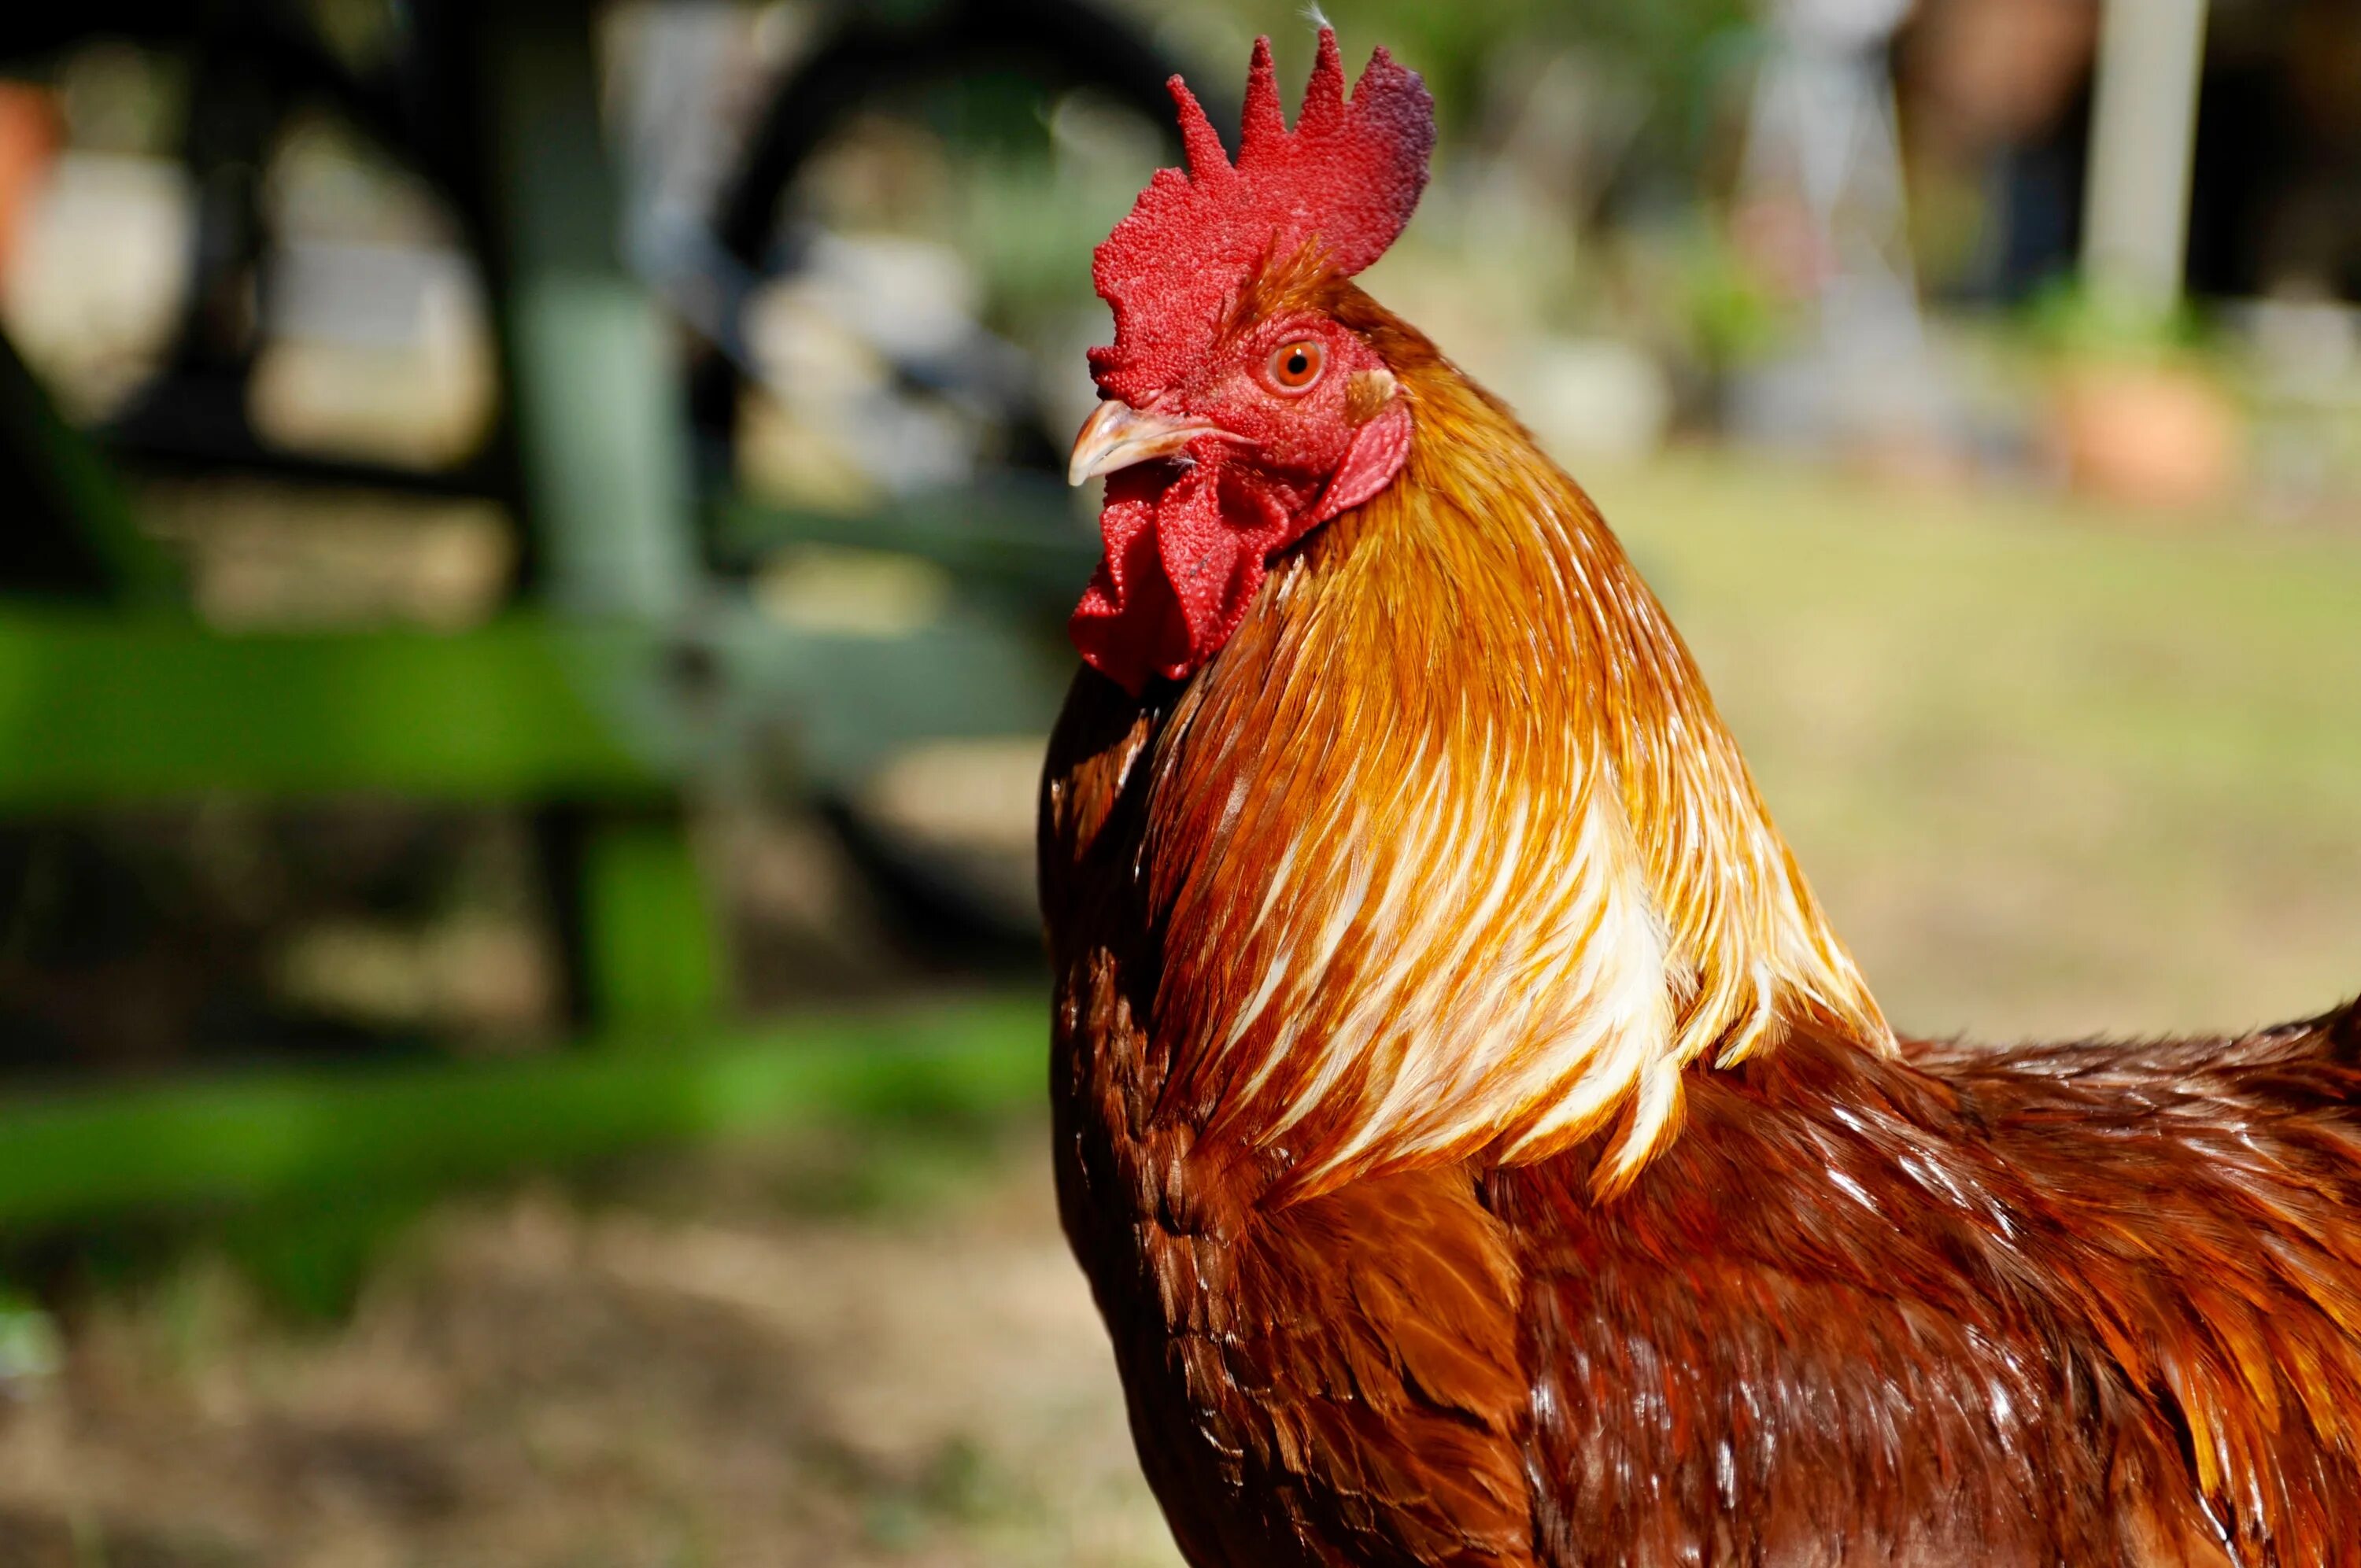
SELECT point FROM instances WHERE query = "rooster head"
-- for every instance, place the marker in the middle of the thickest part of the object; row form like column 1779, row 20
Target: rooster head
column 1237, row 411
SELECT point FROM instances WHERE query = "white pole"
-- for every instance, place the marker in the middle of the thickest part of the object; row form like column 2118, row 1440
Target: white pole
column 2143, row 139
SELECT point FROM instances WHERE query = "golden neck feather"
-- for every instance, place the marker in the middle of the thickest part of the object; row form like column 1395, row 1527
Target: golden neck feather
column 1449, row 852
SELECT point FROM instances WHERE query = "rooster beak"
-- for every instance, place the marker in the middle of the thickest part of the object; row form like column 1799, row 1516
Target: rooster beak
column 1118, row 436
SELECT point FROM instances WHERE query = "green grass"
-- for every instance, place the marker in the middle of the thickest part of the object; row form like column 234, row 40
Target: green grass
column 2054, row 768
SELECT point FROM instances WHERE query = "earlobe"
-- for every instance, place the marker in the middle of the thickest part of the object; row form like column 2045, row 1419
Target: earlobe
column 1378, row 450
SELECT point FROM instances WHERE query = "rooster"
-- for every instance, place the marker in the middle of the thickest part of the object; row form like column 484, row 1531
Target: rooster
column 1481, row 1147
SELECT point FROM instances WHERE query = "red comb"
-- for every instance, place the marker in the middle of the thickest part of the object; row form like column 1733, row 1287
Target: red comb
column 1347, row 175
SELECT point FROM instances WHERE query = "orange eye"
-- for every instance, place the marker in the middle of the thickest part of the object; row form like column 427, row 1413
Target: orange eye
column 1295, row 365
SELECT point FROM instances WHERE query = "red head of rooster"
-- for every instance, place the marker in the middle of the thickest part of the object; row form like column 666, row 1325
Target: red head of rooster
column 1233, row 428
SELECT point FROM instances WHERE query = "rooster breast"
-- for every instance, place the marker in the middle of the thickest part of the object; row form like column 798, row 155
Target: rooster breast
column 1333, row 1383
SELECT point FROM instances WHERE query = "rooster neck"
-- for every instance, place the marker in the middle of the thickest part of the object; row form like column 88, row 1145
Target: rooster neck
column 1447, row 854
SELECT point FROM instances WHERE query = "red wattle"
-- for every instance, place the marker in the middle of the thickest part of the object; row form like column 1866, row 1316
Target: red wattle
column 1180, row 567
column 1185, row 552
column 1128, row 626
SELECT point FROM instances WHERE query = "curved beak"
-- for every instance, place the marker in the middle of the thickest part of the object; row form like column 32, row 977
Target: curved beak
column 1118, row 436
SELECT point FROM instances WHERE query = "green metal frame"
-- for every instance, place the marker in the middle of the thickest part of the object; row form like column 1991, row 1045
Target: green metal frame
column 105, row 709
column 99, row 708
column 187, row 1148
column 629, row 683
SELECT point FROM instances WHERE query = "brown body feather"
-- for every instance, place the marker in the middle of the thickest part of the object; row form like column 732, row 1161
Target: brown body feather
column 1483, row 1152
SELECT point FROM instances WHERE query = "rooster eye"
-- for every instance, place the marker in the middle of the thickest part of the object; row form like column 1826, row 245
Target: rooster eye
column 1295, row 365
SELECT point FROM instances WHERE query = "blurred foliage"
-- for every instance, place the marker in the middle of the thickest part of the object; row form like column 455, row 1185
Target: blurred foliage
column 1027, row 222
column 28, row 1341
column 2067, row 318
column 119, row 99
column 1731, row 316
column 310, row 1259
column 363, row 34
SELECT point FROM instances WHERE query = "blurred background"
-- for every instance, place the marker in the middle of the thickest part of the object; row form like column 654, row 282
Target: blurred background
column 532, row 597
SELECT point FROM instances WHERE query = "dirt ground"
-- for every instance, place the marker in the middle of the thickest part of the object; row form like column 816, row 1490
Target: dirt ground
column 842, row 1351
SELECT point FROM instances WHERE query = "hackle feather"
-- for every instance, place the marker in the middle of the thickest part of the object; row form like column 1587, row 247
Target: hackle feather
column 1452, row 852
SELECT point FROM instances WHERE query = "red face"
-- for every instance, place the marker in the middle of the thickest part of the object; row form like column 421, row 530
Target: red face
column 1278, row 391
column 1286, row 424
